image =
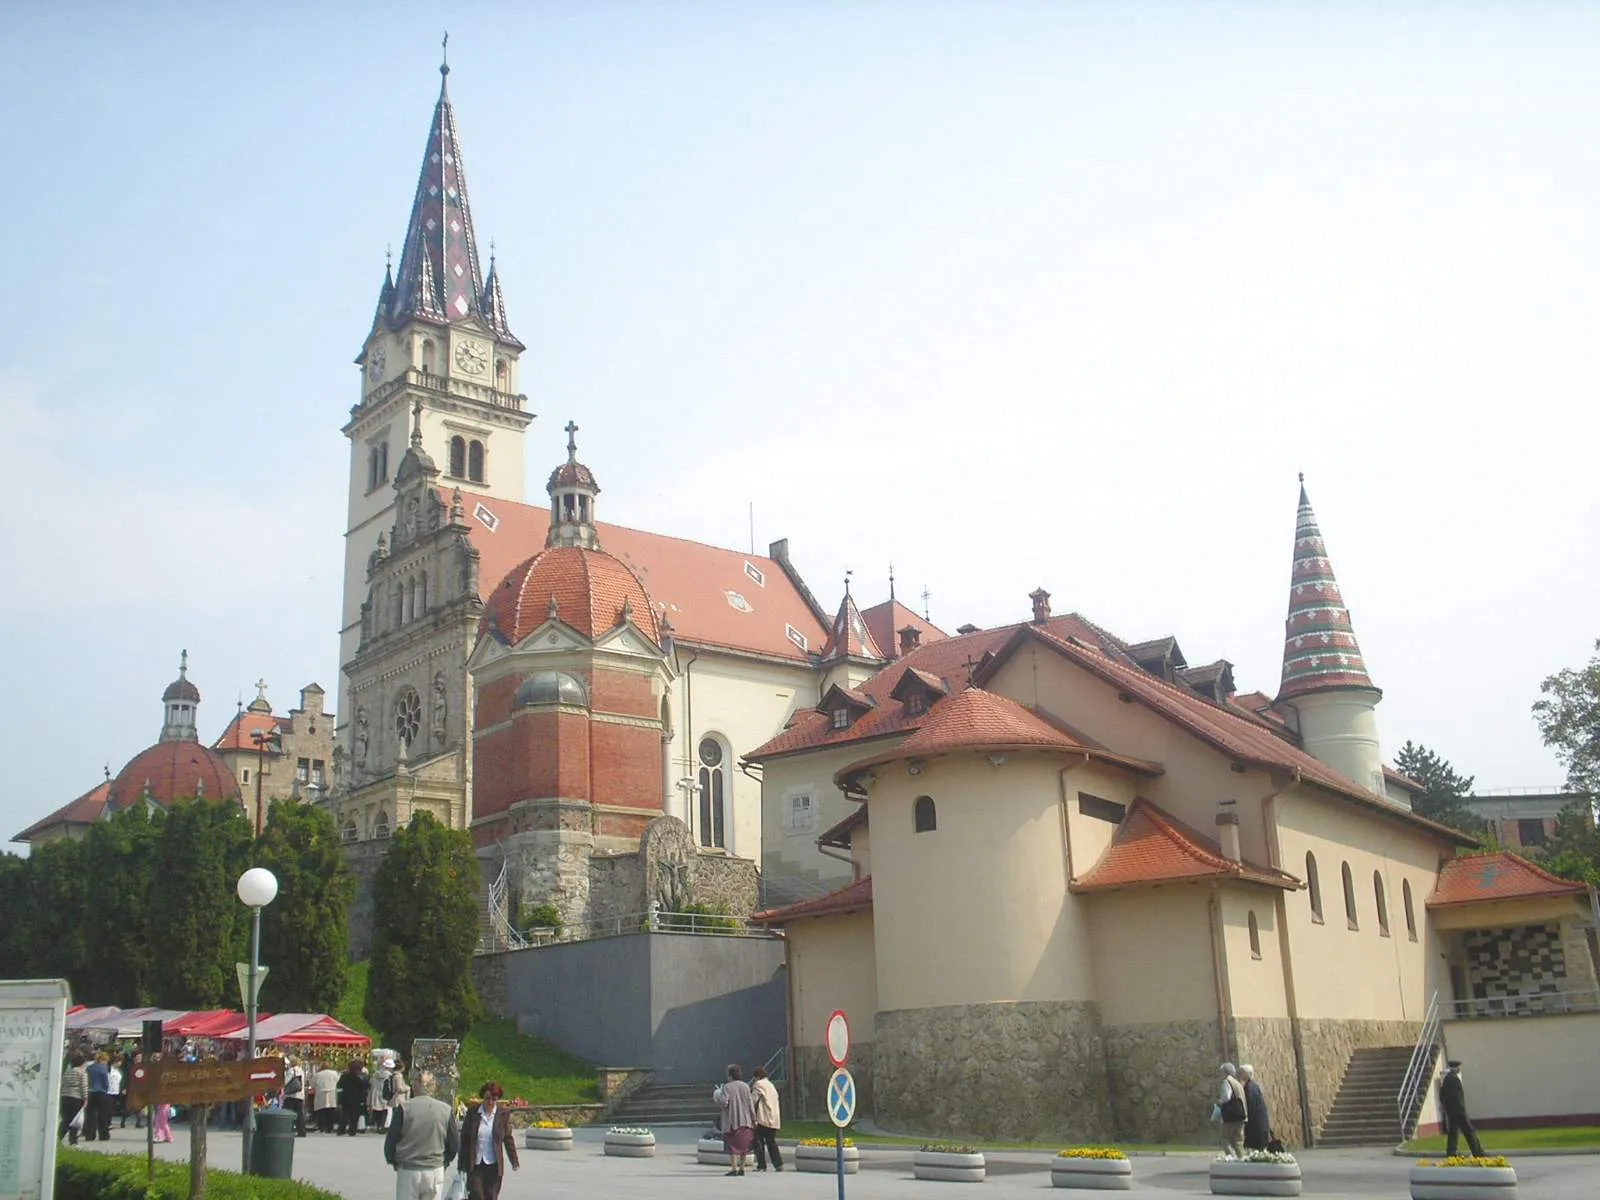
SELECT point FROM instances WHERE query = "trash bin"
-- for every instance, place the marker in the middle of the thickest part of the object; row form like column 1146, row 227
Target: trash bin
column 272, row 1149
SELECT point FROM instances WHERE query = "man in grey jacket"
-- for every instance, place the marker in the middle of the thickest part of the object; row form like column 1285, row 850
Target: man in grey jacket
column 422, row 1138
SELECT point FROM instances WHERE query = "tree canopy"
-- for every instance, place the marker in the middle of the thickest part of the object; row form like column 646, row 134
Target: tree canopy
column 305, row 933
column 426, row 894
column 1444, row 789
column 1568, row 714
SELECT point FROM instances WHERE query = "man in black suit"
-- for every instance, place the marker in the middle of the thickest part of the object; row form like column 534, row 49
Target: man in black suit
column 1453, row 1099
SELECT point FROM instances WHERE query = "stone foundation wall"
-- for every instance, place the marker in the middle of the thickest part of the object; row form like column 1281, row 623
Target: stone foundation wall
column 723, row 881
column 489, row 981
column 1032, row 1071
column 363, row 858
column 1267, row 1044
column 1162, row 1079
column 1327, row 1046
column 810, row 1071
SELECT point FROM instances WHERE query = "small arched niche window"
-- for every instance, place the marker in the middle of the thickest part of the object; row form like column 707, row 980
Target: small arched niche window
column 924, row 817
column 1411, row 913
column 1314, row 887
column 380, row 828
column 712, row 781
column 1255, row 937
column 458, row 456
column 1349, row 896
column 475, row 461
column 350, row 833
column 1383, row 904
column 427, row 357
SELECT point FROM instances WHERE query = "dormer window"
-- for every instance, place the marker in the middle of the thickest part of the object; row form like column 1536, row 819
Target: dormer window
column 917, row 703
column 841, row 718
column 918, row 691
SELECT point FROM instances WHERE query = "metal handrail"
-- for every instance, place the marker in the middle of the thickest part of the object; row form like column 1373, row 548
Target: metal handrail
column 1420, row 1068
column 655, row 920
column 777, row 1067
column 499, row 914
column 1525, row 1004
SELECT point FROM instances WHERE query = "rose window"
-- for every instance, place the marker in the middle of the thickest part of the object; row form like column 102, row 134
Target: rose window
column 407, row 715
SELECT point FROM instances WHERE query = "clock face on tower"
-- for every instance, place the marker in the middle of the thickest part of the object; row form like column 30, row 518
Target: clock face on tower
column 472, row 357
column 376, row 360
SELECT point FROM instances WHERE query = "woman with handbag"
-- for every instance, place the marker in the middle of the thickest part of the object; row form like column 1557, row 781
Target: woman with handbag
column 487, row 1141
column 1232, row 1111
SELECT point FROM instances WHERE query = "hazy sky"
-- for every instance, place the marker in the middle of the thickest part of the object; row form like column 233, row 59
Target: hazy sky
column 1009, row 294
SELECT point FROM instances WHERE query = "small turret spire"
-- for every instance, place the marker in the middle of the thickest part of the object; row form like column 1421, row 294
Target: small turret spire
column 572, row 490
column 1320, row 651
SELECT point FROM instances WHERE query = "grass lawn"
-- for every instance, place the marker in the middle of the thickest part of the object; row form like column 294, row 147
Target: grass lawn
column 493, row 1049
column 1568, row 1137
column 823, row 1129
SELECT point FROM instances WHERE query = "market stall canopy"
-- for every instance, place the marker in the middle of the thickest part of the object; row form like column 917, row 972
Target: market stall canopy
column 210, row 1023
column 107, row 1017
column 299, row 1029
column 131, row 1021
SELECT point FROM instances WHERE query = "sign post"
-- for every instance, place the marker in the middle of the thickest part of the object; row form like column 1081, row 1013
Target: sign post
column 33, row 1028
column 200, row 1085
column 841, row 1088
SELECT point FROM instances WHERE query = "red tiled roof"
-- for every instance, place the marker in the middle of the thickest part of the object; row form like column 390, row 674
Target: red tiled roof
column 850, row 637
column 951, row 660
column 706, row 592
column 850, row 898
column 886, row 620
column 838, row 834
column 1151, row 847
column 237, row 736
column 1502, row 875
column 85, row 810
column 173, row 771
column 976, row 719
column 1232, row 733
column 591, row 590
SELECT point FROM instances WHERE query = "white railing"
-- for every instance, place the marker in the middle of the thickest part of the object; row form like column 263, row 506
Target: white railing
column 654, row 921
column 1527, row 1004
column 777, row 1066
column 1420, row 1071
column 504, row 935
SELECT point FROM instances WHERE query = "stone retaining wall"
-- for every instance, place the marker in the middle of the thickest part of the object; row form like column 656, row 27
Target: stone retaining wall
column 811, row 1071
column 1162, row 1079
column 1267, row 1044
column 1031, row 1071
column 1328, row 1045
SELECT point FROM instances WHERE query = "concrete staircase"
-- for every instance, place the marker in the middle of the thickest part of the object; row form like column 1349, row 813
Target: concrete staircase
column 1364, row 1112
column 669, row 1104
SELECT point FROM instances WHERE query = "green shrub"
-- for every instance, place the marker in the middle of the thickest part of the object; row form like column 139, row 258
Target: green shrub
column 700, row 918
column 85, row 1175
column 540, row 916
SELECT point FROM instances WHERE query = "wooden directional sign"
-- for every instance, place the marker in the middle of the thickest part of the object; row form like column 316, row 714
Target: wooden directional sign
column 838, row 1038
column 209, row 1082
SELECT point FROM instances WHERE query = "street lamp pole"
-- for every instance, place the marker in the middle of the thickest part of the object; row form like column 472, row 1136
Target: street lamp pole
column 265, row 743
column 257, row 888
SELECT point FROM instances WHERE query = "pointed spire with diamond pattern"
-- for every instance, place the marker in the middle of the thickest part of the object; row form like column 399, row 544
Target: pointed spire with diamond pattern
column 439, row 278
column 1320, row 652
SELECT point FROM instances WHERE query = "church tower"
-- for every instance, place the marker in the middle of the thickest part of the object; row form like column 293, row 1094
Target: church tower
column 1325, row 691
column 439, row 347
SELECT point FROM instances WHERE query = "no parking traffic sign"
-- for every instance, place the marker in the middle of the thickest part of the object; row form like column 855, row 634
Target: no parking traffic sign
column 838, row 1038
column 842, row 1098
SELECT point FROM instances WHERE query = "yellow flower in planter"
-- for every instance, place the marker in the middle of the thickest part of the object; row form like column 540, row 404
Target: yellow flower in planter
column 822, row 1142
column 1103, row 1152
column 1466, row 1160
column 549, row 1124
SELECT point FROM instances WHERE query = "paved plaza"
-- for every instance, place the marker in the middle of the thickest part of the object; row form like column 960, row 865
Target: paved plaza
column 354, row 1168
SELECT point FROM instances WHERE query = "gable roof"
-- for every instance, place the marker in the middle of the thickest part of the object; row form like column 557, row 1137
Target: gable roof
column 1229, row 732
column 950, row 660
column 238, row 734
column 886, row 620
column 838, row 834
column 849, row 637
column 1152, row 847
column 1475, row 878
column 718, row 598
column 850, row 898
column 85, row 810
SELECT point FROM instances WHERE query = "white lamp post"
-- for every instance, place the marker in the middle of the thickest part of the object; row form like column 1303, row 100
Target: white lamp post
column 257, row 888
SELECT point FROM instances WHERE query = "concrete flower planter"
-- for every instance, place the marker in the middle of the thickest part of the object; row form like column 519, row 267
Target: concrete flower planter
column 823, row 1160
column 945, row 1167
column 1463, row 1183
column 1101, row 1174
column 710, row 1151
column 630, row 1145
column 547, row 1139
column 1236, row 1177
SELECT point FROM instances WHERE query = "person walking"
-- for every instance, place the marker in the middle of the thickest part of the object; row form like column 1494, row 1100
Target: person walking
column 294, row 1092
column 1453, row 1099
column 487, row 1141
column 1257, row 1118
column 113, row 1095
column 738, row 1118
column 352, row 1092
column 97, row 1120
column 768, row 1123
column 378, row 1096
column 74, row 1094
column 421, row 1139
column 1232, row 1110
column 326, row 1098
column 399, row 1087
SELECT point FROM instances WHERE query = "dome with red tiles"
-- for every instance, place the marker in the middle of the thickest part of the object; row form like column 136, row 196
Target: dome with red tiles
column 589, row 590
column 171, row 771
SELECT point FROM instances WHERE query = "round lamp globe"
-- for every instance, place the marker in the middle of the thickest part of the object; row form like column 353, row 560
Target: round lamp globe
column 258, row 887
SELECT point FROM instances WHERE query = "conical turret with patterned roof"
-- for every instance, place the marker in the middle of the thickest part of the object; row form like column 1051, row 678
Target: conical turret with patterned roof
column 1320, row 652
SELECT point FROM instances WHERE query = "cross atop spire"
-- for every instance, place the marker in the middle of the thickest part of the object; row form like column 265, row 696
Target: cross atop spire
column 1320, row 652
column 572, row 441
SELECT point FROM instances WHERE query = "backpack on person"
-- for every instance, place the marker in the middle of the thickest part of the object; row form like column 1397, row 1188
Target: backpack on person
column 388, row 1089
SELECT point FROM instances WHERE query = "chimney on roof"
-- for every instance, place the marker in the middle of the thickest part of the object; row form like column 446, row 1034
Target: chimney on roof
column 1228, row 829
column 963, row 630
column 910, row 639
column 1041, row 605
column 778, row 551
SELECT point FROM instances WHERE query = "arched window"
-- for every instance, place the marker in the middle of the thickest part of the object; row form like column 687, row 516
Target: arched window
column 350, row 833
column 475, row 461
column 924, row 817
column 1255, row 937
column 458, row 456
column 1383, row 904
column 1411, row 913
column 380, row 827
column 1349, row 896
column 1314, row 886
column 427, row 357
column 713, row 785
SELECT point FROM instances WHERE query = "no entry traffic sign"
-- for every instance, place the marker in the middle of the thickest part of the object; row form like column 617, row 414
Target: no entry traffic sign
column 838, row 1038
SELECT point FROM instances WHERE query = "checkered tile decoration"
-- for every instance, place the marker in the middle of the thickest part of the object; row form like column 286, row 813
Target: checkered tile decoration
column 1520, row 960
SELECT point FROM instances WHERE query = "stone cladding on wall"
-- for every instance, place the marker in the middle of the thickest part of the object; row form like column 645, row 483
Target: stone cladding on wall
column 1327, row 1046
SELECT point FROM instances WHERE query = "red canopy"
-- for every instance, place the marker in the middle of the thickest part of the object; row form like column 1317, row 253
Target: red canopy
column 211, row 1023
column 298, row 1029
